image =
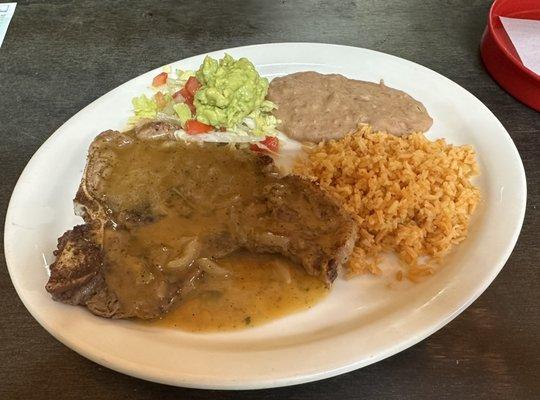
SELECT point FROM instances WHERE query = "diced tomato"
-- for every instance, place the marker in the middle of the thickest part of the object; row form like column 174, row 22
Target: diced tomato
column 184, row 92
column 194, row 127
column 187, row 94
column 160, row 100
column 192, row 85
column 183, row 96
column 270, row 143
column 189, row 102
column 160, row 79
column 178, row 97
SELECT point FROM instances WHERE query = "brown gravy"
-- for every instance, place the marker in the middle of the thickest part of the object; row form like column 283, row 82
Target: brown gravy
column 314, row 107
column 260, row 288
column 160, row 197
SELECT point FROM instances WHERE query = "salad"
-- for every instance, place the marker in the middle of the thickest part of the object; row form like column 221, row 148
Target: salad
column 223, row 101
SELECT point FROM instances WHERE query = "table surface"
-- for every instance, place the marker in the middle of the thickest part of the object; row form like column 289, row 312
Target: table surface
column 59, row 56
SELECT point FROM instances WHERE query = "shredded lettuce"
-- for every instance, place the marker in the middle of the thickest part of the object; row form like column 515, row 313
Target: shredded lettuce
column 143, row 108
column 264, row 122
column 184, row 75
column 267, row 106
column 183, row 112
column 217, row 137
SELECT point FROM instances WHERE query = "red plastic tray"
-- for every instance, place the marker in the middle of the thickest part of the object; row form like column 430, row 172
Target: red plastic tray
column 500, row 56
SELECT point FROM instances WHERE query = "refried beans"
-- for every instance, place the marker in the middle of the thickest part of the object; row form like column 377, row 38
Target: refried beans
column 315, row 107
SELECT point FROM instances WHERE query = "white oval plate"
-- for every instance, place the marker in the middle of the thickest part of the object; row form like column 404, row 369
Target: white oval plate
column 362, row 321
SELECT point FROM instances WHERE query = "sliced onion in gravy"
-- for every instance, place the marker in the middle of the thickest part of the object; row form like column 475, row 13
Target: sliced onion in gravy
column 211, row 267
column 191, row 252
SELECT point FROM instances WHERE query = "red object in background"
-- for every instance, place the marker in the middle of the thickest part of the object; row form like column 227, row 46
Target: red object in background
column 500, row 56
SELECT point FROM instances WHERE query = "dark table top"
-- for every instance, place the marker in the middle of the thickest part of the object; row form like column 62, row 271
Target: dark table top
column 59, row 56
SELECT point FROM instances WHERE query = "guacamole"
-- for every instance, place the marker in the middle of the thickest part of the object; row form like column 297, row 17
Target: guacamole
column 231, row 90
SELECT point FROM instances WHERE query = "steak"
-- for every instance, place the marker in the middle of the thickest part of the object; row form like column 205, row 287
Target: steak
column 157, row 211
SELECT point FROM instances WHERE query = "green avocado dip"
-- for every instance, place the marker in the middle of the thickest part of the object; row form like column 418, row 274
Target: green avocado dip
column 231, row 90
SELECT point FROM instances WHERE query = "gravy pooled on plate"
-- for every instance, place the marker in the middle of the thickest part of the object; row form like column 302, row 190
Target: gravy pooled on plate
column 260, row 288
column 314, row 107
